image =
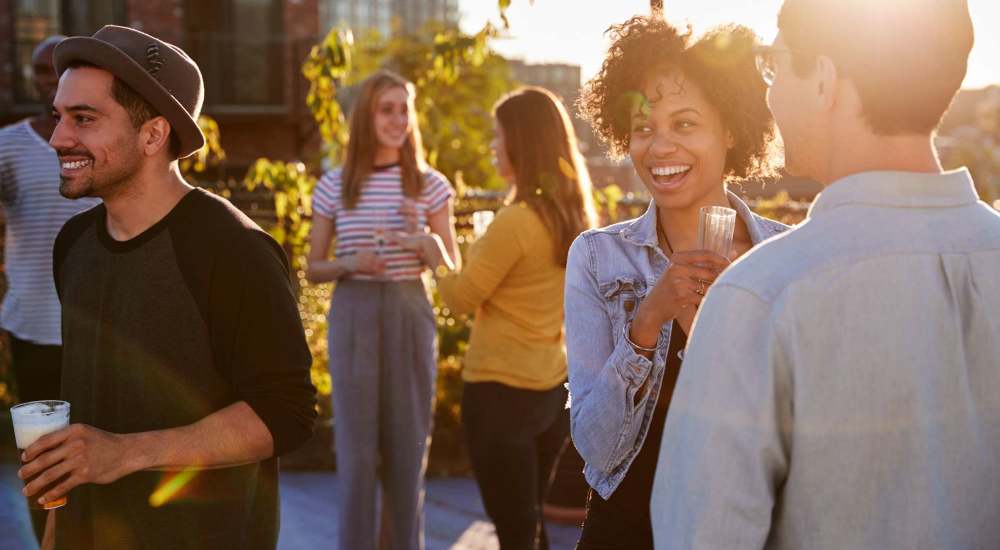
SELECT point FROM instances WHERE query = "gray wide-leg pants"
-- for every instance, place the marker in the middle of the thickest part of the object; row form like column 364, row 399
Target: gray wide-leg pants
column 383, row 362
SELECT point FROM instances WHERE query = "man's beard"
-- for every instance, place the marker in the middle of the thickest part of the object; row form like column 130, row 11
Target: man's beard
column 103, row 185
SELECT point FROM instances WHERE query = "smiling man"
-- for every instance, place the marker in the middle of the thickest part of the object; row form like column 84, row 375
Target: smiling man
column 841, row 388
column 184, row 351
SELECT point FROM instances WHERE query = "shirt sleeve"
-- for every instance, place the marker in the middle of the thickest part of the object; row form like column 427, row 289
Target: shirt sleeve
column 486, row 264
column 437, row 191
column 725, row 446
column 259, row 341
column 326, row 195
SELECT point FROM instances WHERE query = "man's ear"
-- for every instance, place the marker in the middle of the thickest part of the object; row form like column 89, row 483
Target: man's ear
column 826, row 80
column 155, row 135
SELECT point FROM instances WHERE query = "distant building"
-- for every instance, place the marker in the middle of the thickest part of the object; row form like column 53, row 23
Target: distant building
column 380, row 14
column 564, row 80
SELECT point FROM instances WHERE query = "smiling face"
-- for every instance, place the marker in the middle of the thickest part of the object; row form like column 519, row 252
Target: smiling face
column 393, row 117
column 98, row 147
column 678, row 143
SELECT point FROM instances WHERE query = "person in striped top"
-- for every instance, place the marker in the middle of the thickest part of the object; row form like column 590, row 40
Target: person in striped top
column 35, row 211
column 382, row 334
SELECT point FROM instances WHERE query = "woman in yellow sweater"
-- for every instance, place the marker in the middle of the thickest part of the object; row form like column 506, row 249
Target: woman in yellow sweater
column 514, row 401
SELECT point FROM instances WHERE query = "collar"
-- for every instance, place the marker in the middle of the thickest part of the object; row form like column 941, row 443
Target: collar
column 642, row 231
column 898, row 190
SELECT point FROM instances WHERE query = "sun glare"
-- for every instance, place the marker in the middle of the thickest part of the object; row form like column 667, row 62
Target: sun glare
column 578, row 38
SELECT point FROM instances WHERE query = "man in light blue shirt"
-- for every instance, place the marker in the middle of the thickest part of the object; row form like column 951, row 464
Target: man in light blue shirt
column 841, row 389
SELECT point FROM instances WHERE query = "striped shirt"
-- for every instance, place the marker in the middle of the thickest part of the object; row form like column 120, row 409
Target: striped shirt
column 35, row 212
column 377, row 214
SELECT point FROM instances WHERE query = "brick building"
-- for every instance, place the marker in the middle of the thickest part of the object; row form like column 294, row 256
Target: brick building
column 249, row 51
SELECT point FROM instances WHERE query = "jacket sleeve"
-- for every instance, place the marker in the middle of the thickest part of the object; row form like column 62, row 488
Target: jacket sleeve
column 605, row 373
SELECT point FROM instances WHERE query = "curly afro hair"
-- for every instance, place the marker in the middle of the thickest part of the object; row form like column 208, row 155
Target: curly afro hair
column 721, row 64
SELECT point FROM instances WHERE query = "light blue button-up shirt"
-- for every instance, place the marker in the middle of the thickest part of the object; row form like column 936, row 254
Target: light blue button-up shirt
column 841, row 387
column 608, row 273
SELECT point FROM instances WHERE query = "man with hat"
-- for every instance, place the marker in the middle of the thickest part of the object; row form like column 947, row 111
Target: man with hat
column 185, row 362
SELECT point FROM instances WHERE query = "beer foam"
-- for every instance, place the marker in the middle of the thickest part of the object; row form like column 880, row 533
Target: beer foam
column 33, row 420
column 25, row 436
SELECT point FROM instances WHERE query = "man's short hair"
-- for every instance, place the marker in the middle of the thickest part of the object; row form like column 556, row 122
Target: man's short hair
column 139, row 110
column 906, row 58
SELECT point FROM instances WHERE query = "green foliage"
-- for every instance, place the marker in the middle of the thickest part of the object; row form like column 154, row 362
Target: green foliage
column 780, row 207
column 329, row 62
column 292, row 187
column 210, row 155
column 458, row 79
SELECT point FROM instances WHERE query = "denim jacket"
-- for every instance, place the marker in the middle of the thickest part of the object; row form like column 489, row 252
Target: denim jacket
column 608, row 273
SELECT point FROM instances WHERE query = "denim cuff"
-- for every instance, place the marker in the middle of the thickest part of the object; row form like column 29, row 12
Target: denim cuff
column 632, row 367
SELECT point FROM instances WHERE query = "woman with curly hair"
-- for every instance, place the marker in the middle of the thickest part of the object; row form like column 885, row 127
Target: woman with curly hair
column 691, row 114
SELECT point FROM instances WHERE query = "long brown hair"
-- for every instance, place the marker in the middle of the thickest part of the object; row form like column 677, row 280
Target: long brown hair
column 362, row 144
column 549, row 173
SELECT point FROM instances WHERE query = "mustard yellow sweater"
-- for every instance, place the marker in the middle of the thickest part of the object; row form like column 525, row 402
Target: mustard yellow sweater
column 514, row 286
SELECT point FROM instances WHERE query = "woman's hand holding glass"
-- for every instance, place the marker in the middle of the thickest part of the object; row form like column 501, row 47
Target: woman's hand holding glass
column 681, row 288
column 428, row 245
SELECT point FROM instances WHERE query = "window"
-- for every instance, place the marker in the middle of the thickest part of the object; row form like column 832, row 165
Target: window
column 36, row 20
column 239, row 47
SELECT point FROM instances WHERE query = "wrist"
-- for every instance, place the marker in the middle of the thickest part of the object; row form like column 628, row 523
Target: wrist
column 137, row 453
column 644, row 330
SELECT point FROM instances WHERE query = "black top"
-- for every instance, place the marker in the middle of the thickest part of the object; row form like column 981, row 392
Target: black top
column 159, row 331
column 623, row 521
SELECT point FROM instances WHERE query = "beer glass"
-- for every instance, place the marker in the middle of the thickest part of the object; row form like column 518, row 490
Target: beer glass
column 31, row 421
column 715, row 229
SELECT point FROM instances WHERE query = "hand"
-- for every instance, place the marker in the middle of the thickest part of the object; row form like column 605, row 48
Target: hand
column 73, row 456
column 683, row 286
column 365, row 261
column 415, row 242
column 428, row 246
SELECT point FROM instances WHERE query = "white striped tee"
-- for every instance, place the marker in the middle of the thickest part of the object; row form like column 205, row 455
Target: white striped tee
column 35, row 212
column 379, row 206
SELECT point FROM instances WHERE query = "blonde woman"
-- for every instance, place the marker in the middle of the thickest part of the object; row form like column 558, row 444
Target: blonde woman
column 382, row 339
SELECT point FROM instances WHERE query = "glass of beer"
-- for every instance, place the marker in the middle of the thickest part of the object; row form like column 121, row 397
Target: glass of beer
column 31, row 421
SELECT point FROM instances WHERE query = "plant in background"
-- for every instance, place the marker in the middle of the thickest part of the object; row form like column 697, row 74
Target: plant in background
column 978, row 148
column 211, row 155
column 291, row 186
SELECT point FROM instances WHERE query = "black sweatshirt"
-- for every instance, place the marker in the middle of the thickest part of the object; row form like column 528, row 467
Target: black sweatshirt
column 159, row 331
